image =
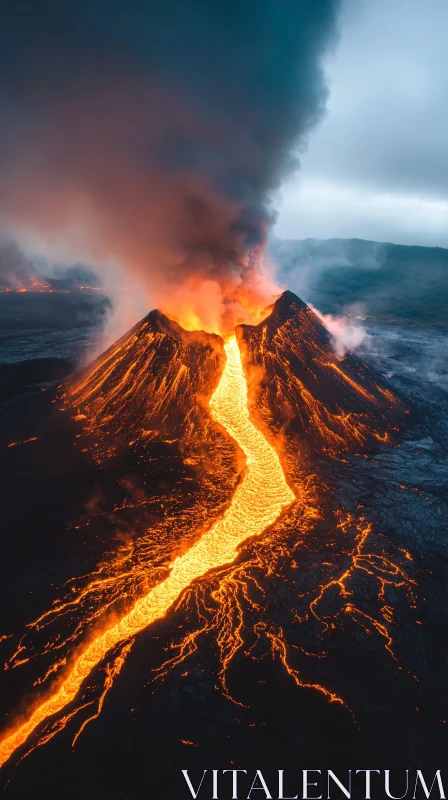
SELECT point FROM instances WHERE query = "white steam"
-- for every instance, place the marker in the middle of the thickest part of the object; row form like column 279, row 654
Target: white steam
column 347, row 332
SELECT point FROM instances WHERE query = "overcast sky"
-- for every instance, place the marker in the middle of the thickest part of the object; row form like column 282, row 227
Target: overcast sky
column 377, row 167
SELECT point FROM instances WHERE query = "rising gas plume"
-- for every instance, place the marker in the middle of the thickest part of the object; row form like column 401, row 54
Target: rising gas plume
column 153, row 136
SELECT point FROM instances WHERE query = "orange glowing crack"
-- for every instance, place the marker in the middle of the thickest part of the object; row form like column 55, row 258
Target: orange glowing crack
column 352, row 383
column 24, row 441
column 258, row 501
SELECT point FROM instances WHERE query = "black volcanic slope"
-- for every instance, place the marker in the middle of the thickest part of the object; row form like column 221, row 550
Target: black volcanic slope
column 155, row 382
column 297, row 384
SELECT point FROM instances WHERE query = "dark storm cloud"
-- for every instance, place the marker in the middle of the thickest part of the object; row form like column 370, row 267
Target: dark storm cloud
column 160, row 129
column 377, row 166
column 388, row 118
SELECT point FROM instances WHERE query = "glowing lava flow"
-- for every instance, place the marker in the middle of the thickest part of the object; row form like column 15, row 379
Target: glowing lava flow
column 256, row 504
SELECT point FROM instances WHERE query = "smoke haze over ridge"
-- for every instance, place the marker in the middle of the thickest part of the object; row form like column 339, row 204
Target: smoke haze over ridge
column 153, row 136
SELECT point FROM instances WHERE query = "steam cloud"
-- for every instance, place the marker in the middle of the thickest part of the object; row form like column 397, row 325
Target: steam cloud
column 15, row 268
column 18, row 269
column 153, row 135
column 347, row 333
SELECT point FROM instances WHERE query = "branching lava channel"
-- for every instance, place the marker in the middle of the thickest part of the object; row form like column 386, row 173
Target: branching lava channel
column 258, row 501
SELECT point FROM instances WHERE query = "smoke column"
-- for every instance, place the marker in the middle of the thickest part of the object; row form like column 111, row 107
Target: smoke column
column 153, row 135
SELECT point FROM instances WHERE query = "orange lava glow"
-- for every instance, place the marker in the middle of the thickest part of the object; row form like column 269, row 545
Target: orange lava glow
column 258, row 501
column 132, row 393
column 210, row 305
column 250, row 533
column 23, row 441
column 36, row 285
column 338, row 402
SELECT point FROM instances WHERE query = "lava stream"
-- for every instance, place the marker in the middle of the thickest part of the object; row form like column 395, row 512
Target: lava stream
column 256, row 504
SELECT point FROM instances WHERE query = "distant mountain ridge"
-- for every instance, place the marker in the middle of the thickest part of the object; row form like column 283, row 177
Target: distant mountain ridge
column 397, row 283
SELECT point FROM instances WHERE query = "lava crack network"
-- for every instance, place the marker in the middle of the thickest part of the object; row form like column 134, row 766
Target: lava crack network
column 258, row 501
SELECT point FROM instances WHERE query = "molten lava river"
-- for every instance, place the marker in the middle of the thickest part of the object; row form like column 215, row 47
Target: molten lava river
column 257, row 502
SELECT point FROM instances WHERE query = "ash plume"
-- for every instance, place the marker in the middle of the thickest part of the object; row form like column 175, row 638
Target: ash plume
column 15, row 268
column 19, row 269
column 154, row 135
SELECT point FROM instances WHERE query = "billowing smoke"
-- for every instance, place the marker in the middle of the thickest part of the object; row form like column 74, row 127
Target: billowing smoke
column 347, row 333
column 16, row 269
column 153, row 135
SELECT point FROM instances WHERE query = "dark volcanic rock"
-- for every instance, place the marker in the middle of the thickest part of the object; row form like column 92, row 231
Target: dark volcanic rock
column 31, row 375
column 297, row 383
column 156, row 381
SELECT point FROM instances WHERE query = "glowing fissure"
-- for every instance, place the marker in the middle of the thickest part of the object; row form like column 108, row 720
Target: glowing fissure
column 258, row 501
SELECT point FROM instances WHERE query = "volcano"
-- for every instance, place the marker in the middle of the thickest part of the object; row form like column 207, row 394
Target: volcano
column 156, row 382
column 299, row 386
column 225, row 419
